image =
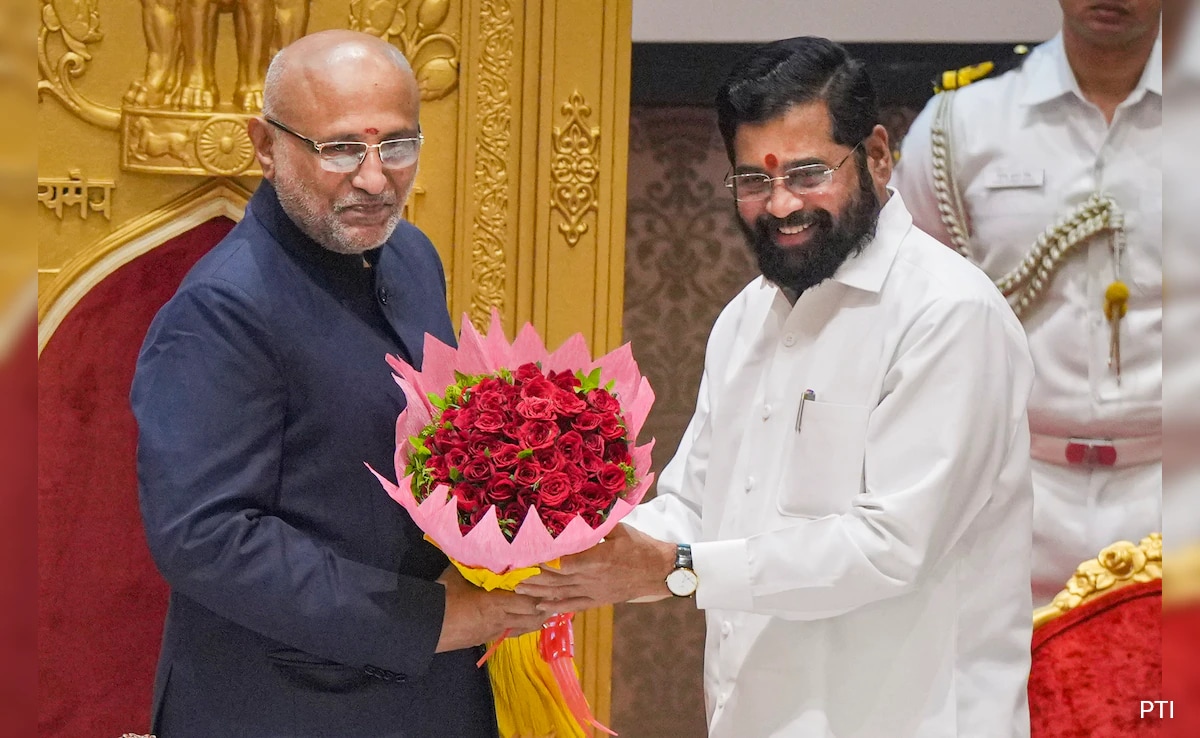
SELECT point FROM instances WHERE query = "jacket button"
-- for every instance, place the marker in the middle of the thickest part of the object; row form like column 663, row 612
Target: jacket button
column 789, row 340
column 383, row 295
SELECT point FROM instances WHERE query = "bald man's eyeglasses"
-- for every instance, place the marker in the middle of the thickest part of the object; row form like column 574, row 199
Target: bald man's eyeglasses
column 346, row 156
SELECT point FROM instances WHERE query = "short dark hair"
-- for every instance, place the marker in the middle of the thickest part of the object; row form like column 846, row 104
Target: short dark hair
column 794, row 71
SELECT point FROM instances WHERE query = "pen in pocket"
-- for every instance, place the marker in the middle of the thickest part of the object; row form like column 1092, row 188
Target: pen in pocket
column 808, row 396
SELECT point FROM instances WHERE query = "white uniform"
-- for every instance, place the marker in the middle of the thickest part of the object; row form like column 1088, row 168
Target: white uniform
column 863, row 555
column 1027, row 149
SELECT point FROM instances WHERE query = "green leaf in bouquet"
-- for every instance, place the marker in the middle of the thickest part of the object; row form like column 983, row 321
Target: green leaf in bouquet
column 630, row 477
column 525, row 453
column 437, row 401
column 455, row 474
column 418, row 444
column 588, row 382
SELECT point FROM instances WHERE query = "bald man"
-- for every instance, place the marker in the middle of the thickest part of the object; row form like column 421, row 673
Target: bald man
column 304, row 601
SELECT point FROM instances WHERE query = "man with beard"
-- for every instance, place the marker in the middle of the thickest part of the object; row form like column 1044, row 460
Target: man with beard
column 1058, row 164
column 851, row 502
column 304, row 602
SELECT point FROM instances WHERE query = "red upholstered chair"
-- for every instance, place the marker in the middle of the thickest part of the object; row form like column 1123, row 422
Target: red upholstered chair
column 1097, row 648
column 101, row 602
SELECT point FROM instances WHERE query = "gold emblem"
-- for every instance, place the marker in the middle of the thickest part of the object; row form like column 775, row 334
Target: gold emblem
column 175, row 118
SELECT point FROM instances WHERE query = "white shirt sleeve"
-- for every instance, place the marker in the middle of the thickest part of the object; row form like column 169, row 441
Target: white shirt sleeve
column 674, row 514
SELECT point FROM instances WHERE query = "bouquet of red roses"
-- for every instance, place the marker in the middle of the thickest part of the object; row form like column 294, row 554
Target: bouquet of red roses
column 513, row 457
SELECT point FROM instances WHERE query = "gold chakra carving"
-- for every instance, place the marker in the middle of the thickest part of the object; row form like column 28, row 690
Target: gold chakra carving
column 432, row 52
column 173, row 118
column 490, row 185
column 1118, row 565
column 575, row 168
column 91, row 195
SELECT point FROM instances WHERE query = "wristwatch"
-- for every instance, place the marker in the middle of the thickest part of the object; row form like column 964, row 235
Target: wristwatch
column 682, row 580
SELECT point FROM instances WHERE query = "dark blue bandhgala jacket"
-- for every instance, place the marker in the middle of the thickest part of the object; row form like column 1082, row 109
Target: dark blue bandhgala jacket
column 303, row 600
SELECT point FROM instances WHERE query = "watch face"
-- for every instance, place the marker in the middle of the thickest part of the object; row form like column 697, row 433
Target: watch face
column 682, row 582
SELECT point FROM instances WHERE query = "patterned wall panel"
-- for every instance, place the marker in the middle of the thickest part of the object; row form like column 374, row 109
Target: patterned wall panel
column 684, row 260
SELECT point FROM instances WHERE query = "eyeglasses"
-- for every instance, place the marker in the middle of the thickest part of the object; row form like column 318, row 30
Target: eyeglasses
column 346, row 156
column 756, row 186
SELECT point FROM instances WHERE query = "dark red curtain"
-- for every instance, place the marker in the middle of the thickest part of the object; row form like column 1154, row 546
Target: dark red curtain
column 100, row 600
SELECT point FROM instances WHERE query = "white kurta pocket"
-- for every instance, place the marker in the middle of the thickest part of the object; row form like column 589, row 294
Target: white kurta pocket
column 825, row 469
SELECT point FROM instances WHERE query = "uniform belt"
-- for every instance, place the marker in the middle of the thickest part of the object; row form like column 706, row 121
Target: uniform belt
column 1114, row 452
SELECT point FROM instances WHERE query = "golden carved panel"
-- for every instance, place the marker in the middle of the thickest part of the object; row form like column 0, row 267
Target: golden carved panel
column 432, row 52
column 493, row 142
column 575, row 168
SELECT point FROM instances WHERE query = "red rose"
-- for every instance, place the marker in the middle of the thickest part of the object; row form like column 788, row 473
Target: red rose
column 527, row 473
column 448, row 415
column 594, row 518
column 568, row 403
column 594, row 442
column 438, row 468
column 537, row 434
column 595, row 497
column 618, row 453
column 570, row 445
column 590, row 462
column 501, row 489
column 555, row 520
column 576, row 475
column 550, row 459
column 586, row 421
column 489, row 421
column 477, row 469
column 504, row 455
column 445, row 438
column 470, row 497
column 527, row 372
column 535, row 408
column 603, row 401
column 612, row 478
column 564, row 380
column 540, row 388
column 611, row 428
column 465, row 418
column 456, row 458
column 481, row 444
column 553, row 491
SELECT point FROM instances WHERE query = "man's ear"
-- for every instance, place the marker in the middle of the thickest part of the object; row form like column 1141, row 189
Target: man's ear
column 879, row 157
column 264, row 146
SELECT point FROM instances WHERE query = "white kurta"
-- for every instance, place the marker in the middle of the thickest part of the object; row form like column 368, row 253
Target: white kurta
column 1028, row 148
column 867, row 574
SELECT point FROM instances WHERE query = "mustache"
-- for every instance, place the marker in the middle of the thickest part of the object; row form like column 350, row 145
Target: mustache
column 767, row 222
column 358, row 202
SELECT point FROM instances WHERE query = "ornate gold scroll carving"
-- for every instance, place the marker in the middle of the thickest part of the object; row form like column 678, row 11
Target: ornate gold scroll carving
column 575, row 168
column 490, row 186
column 1118, row 565
column 68, row 28
column 90, row 195
column 432, row 53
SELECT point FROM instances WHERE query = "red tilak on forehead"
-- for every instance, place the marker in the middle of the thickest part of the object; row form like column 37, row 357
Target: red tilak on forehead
column 372, row 131
column 771, row 161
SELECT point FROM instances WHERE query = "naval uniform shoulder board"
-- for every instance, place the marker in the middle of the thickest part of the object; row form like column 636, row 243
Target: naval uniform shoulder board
column 953, row 79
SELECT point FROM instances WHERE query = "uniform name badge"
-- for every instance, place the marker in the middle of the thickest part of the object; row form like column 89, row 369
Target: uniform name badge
column 1006, row 179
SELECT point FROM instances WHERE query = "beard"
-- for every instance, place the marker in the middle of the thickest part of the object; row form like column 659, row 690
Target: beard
column 831, row 241
column 322, row 222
